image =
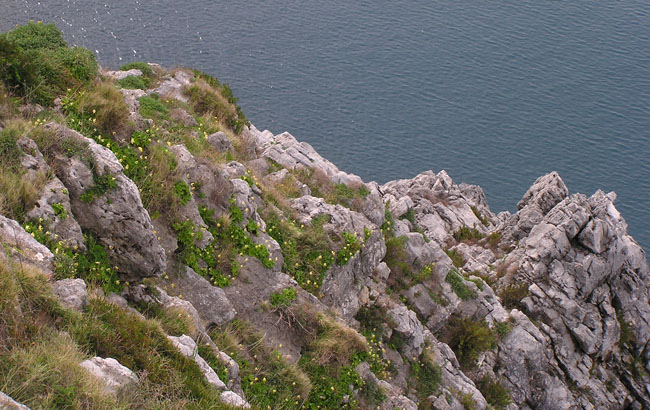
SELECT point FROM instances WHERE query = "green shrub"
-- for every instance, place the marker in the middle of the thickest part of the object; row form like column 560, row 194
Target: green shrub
column 484, row 220
column 456, row 257
column 493, row 239
column 467, row 338
column 458, row 285
column 466, row 233
column 36, row 63
column 59, row 210
column 34, row 36
column 306, row 249
column 427, row 374
column 283, row 298
column 396, row 257
column 103, row 183
column 350, row 248
column 627, row 334
column 502, row 329
column 494, row 392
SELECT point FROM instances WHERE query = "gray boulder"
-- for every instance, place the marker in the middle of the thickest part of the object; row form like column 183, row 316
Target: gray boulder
column 20, row 247
column 220, row 142
column 210, row 302
column 72, row 293
column 114, row 376
column 233, row 399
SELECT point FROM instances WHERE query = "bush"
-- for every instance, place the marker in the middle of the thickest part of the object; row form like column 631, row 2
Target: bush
column 494, row 392
column 151, row 107
column 33, row 36
column 512, row 295
column 427, row 374
column 467, row 338
column 466, row 233
column 133, row 82
column 36, row 63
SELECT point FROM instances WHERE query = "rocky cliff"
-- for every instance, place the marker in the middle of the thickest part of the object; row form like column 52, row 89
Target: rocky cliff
column 167, row 253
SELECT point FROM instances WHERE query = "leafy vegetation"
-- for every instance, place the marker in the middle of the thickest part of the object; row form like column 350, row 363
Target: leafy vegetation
column 467, row 338
column 307, row 250
column 494, row 392
column 36, row 64
column 484, row 221
column 283, row 299
column 426, row 374
column 465, row 233
column 456, row 258
column 458, row 285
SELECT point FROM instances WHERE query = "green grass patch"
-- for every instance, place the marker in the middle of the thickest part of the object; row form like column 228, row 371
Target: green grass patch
column 152, row 107
column 458, row 285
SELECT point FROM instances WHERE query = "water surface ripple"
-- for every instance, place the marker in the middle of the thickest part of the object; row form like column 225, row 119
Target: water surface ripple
column 497, row 93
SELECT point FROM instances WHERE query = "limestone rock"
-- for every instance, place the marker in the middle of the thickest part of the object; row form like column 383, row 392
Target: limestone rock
column 21, row 247
column 210, row 302
column 440, row 206
column 72, row 293
column 7, row 403
column 173, row 86
column 409, row 326
column 120, row 75
column 188, row 348
column 220, row 142
column 233, row 399
column 116, row 217
column 285, row 150
column 111, row 372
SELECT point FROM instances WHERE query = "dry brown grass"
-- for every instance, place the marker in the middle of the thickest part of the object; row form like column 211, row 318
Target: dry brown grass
column 328, row 341
column 206, row 100
column 106, row 105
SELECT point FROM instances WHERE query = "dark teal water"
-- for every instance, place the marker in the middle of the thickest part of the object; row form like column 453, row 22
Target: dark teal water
column 497, row 93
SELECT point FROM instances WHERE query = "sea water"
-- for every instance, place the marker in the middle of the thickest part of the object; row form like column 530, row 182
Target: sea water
column 497, row 93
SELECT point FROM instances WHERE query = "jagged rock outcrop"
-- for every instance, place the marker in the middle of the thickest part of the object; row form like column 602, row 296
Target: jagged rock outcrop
column 441, row 207
column 116, row 216
column 345, row 284
column 54, row 204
